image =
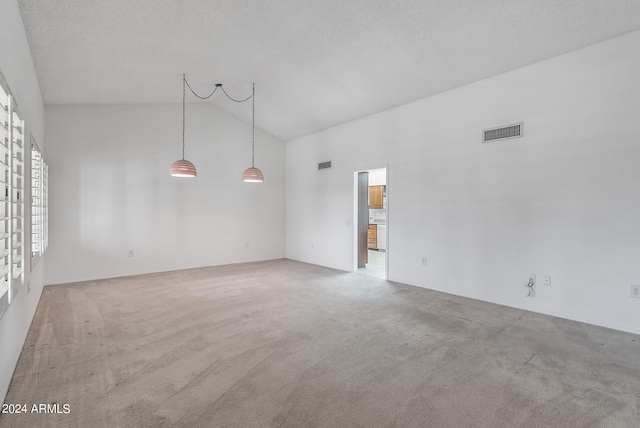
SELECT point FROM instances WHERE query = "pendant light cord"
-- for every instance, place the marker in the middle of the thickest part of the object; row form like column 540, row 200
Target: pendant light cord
column 253, row 126
column 185, row 84
column 199, row 96
column 218, row 86
column 184, row 81
column 238, row 101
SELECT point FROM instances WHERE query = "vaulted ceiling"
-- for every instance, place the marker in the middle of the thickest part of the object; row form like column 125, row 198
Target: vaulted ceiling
column 315, row 64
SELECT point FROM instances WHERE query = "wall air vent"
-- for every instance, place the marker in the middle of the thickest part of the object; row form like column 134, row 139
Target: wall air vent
column 324, row 165
column 502, row 133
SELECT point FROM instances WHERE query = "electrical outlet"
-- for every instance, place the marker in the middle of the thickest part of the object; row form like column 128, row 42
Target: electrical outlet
column 130, row 253
column 424, row 261
column 635, row 291
column 246, row 245
column 547, row 280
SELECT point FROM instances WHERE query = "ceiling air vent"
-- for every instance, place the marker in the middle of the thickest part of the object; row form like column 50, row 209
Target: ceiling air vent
column 324, row 165
column 502, row 133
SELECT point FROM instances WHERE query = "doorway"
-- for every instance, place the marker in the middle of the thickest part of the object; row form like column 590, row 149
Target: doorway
column 371, row 223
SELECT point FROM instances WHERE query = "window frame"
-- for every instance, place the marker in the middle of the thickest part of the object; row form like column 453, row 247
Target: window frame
column 12, row 206
column 39, row 204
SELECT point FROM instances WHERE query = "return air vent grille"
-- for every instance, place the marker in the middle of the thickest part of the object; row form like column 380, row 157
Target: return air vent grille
column 324, row 165
column 502, row 133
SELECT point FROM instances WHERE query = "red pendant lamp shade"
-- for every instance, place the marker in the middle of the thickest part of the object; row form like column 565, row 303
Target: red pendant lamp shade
column 183, row 168
column 252, row 175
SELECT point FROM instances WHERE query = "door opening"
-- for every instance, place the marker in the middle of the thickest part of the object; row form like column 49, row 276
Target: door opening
column 371, row 220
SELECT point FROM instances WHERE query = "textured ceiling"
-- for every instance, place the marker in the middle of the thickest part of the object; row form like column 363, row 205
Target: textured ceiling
column 315, row 63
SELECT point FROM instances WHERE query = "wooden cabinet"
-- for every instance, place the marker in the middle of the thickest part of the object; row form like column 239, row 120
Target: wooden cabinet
column 376, row 197
column 372, row 237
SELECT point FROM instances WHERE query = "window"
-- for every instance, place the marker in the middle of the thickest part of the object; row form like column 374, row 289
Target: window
column 17, row 200
column 11, row 199
column 39, row 204
column 4, row 198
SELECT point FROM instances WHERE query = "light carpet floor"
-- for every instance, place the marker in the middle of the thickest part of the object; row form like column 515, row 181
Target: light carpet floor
column 288, row 344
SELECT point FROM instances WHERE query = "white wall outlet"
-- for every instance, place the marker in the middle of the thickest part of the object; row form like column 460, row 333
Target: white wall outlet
column 635, row 291
column 246, row 244
column 130, row 253
column 547, row 280
column 424, row 261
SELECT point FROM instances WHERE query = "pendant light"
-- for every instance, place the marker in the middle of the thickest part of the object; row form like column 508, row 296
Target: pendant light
column 182, row 167
column 253, row 174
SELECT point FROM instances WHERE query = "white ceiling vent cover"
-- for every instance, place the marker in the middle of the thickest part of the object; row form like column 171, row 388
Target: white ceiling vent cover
column 324, row 165
column 502, row 133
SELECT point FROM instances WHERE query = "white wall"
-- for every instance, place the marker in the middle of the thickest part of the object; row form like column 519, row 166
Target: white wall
column 17, row 67
column 377, row 177
column 562, row 201
column 111, row 191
